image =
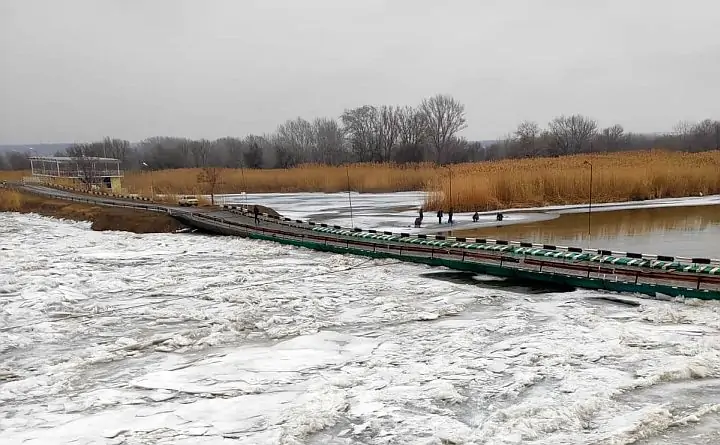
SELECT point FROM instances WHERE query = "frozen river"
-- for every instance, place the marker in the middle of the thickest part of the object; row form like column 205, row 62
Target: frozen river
column 111, row 338
column 393, row 211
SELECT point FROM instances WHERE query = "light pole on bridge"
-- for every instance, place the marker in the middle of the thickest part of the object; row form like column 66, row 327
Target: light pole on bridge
column 152, row 183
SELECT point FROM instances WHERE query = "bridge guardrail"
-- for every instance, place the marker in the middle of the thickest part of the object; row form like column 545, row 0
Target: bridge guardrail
column 564, row 266
column 569, row 249
column 707, row 262
column 129, row 205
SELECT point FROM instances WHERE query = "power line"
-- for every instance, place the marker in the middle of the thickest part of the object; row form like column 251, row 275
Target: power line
column 360, row 265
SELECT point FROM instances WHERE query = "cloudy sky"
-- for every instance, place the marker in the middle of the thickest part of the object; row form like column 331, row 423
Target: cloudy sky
column 75, row 70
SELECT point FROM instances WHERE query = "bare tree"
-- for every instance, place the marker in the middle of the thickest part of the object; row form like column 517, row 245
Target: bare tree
column 706, row 134
column 200, row 152
column 116, row 148
column 413, row 126
column 286, row 156
column 15, row 160
column 232, row 150
column 330, row 140
column 612, row 138
column 413, row 134
column 361, row 125
column 572, row 134
column 296, row 140
column 210, row 176
column 683, row 130
column 259, row 152
column 444, row 117
column 526, row 135
column 82, row 156
column 388, row 130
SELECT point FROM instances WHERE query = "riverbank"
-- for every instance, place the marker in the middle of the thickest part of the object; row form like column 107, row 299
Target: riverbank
column 102, row 218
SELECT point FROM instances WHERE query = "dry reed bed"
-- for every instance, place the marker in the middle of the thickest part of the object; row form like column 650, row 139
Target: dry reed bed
column 364, row 178
column 566, row 180
column 11, row 201
column 13, row 175
column 478, row 186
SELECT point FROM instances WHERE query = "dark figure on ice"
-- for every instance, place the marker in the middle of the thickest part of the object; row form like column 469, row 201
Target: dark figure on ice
column 256, row 212
column 419, row 219
column 476, row 217
column 499, row 216
column 450, row 214
column 440, row 215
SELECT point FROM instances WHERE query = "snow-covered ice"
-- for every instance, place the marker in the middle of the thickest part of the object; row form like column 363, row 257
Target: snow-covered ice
column 393, row 211
column 110, row 337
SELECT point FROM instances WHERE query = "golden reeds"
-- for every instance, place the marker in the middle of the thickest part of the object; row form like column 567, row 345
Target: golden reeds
column 566, row 180
column 11, row 201
column 477, row 186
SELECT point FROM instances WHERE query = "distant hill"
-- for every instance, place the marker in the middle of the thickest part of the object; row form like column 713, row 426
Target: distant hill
column 37, row 149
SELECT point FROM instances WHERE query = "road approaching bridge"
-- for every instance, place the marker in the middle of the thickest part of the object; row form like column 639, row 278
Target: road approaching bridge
column 653, row 275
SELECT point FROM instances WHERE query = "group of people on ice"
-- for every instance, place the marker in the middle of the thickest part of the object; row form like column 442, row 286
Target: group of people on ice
column 440, row 214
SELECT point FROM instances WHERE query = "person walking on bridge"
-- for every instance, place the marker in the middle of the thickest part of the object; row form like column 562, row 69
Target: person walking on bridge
column 256, row 212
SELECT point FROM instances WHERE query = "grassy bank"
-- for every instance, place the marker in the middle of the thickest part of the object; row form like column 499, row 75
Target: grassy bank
column 102, row 218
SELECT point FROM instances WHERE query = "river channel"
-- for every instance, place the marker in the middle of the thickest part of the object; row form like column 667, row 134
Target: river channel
column 680, row 231
column 119, row 338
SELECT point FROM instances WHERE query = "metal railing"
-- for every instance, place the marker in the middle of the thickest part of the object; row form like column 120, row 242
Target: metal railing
column 89, row 200
column 576, row 269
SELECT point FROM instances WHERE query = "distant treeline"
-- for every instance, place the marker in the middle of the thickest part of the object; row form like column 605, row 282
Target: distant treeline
column 427, row 132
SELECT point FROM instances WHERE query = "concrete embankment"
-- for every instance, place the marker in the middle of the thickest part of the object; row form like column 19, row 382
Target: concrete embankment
column 102, row 218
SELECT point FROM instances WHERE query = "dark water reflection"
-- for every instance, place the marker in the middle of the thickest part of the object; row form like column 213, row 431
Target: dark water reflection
column 684, row 231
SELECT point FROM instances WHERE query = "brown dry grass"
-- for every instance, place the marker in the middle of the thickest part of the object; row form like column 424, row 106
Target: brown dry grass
column 566, row 180
column 8, row 175
column 478, row 186
column 11, row 201
column 364, row 178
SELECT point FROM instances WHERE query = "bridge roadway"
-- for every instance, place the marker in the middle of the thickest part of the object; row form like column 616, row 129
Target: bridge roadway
column 596, row 269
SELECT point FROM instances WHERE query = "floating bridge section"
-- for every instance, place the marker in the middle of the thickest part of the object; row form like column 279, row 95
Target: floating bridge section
column 653, row 275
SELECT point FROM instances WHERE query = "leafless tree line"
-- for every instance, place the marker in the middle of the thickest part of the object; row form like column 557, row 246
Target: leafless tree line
column 576, row 134
column 427, row 132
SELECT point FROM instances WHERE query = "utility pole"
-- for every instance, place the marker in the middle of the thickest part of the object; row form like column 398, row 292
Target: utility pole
column 590, row 198
column 242, row 173
column 451, row 193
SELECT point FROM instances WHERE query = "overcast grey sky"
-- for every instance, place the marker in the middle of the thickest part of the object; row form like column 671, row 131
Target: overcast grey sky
column 75, row 70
